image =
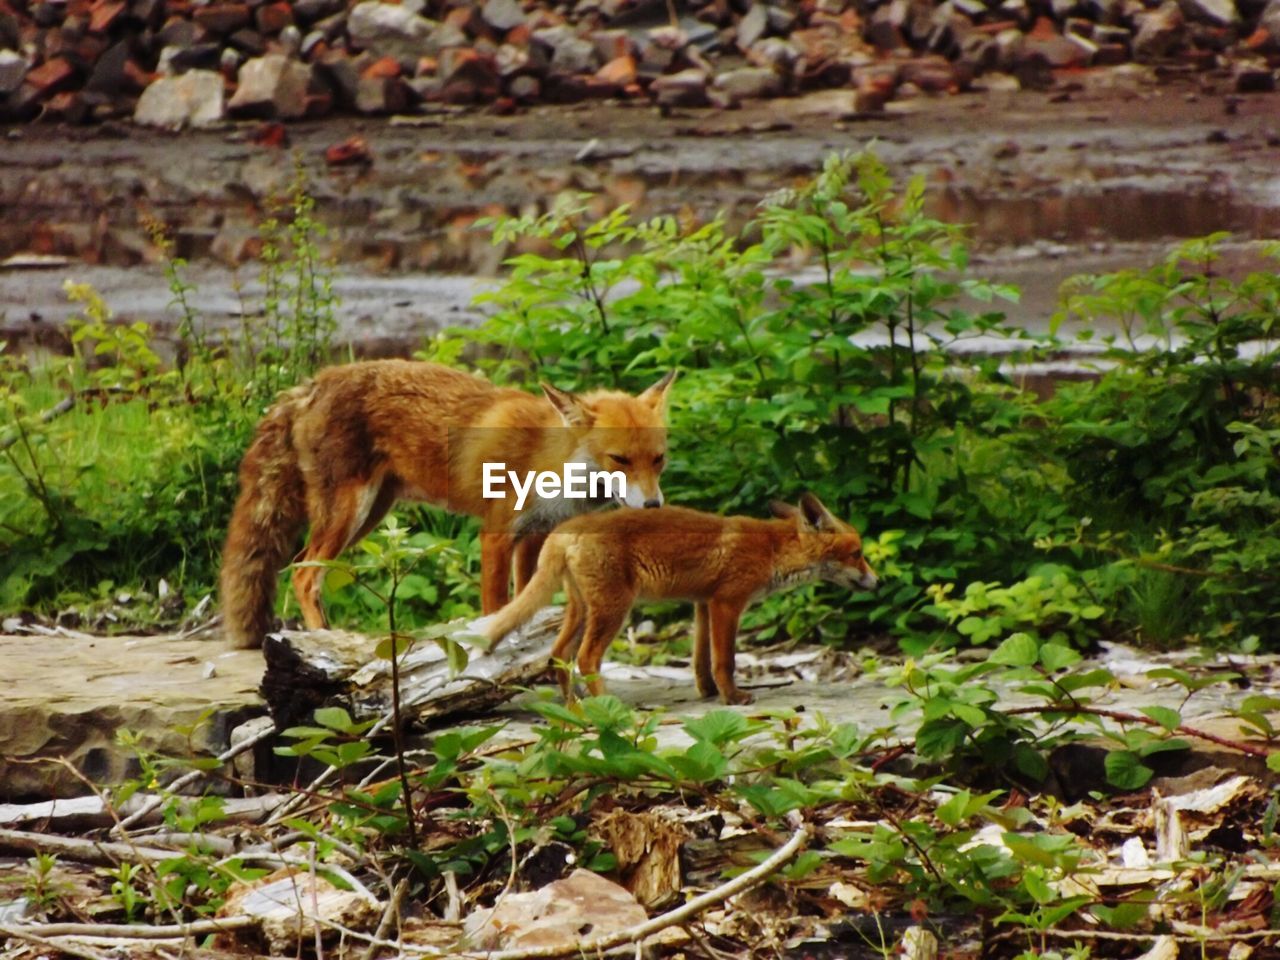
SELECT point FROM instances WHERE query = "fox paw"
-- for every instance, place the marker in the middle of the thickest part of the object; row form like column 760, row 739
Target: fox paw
column 735, row 696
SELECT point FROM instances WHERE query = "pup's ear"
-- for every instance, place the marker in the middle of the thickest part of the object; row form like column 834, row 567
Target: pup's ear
column 783, row 511
column 656, row 395
column 572, row 410
column 816, row 515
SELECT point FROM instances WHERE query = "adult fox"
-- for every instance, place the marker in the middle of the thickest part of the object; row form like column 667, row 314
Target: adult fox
column 338, row 451
column 607, row 561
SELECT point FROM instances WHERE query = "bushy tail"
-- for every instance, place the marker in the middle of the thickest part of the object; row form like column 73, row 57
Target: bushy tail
column 270, row 513
column 537, row 593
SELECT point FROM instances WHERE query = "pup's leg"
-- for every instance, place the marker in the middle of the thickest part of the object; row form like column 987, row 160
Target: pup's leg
column 724, row 634
column 526, row 557
column 570, row 638
column 602, row 624
column 702, row 651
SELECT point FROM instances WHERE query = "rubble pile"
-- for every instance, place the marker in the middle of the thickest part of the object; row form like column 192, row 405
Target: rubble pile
column 174, row 63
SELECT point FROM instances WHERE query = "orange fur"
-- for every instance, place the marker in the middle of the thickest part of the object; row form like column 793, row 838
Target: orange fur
column 339, row 451
column 606, row 562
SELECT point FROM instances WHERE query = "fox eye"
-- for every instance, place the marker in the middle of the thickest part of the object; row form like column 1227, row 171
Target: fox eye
column 620, row 460
column 658, row 460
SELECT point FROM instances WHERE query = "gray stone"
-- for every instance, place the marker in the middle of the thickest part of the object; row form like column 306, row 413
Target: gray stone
column 291, row 41
column 13, row 67
column 570, row 53
column 1253, row 78
column 749, row 83
column 687, row 88
column 1221, row 13
column 381, row 95
column 1160, row 32
column 502, row 14
column 272, row 87
column 390, row 30
column 193, row 99
column 753, row 25
column 309, row 10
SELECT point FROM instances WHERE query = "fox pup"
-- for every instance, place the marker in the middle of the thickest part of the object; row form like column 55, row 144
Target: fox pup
column 337, row 452
column 608, row 561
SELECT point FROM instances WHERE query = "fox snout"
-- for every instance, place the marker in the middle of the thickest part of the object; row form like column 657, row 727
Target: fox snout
column 639, row 498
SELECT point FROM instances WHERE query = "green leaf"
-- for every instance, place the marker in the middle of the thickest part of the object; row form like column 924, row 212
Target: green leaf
column 718, row 727
column 1019, row 650
column 1123, row 916
column 1273, row 761
column 334, row 718
column 1166, row 717
column 1126, row 770
column 1058, row 656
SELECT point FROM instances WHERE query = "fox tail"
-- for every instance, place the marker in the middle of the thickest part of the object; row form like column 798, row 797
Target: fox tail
column 537, row 593
column 268, row 517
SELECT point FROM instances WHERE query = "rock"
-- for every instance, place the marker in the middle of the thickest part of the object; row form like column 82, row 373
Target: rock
column 612, row 44
column 619, row 72
column 753, row 26
column 582, row 906
column 151, row 685
column 750, row 83
column 222, row 18
column 1160, row 32
column 525, row 88
column 381, row 94
column 13, row 69
column 104, row 14
column 570, row 53
column 270, row 87
column 687, row 88
column 52, row 76
column 294, row 907
column 884, row 32
column 115, row 72
column 389, row 29
column 311, row 10
column 502, row 15
column 201, row 56
column 271, row 18
column 468, row 76
column 1222, row 13
column 249, row 42
column 350, row 151
column 177, row 32
column 1253, row 78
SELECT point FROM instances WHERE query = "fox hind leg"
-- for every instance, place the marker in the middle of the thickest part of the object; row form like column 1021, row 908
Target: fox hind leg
column 527, row 549
column 495, row 571
column 724, row 634
column 356, row 509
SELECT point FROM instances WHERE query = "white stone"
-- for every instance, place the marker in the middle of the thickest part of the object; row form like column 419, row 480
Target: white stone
column 193, row 99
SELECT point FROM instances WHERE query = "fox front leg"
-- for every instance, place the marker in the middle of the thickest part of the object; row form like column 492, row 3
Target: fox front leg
column 724, row 634
column 702, row 675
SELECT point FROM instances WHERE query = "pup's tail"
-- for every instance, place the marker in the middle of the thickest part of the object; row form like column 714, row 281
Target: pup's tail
column 269, row 514
column 537, row 593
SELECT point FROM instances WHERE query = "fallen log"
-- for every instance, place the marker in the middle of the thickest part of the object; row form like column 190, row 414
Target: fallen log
column 309, row 669
column 88, row 813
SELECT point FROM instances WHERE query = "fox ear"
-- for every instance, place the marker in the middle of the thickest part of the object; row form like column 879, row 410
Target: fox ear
column 570, row 406
column 783, row 511
column 656, row 395
column 815, row 514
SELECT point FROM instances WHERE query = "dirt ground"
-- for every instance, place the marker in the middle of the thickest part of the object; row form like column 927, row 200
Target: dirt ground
column 1102, row 172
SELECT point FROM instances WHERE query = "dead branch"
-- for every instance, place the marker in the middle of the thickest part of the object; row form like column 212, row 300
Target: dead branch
column 103, row 853
column 61, row 407
column 171, row 931
column 1125, row 717
column 75, row 950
